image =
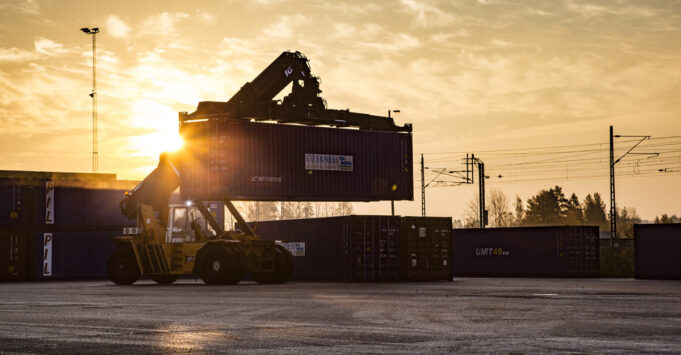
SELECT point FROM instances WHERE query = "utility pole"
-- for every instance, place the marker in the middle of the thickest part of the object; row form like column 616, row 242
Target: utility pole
column 423, row 190
column 481, row 187
column 613, row 209
column 95, row 158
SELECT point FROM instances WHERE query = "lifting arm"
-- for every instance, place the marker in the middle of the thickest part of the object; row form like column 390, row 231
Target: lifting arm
column 303, row 105
column 154, row 190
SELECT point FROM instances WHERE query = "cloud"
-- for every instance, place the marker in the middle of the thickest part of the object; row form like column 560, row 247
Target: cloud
column 593, row 10
column 117, row 27
column 29, row 7
column 16, row 55
column 49, row 47
column 398, row 42
column 428, row 15
column 163, row 24
column 285, row 26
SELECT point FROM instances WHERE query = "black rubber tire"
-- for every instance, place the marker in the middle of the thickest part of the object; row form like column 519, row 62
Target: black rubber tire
column 214, row 266
column 165, row 279
column 121, row 268
column 285, row 265
column 283, row 268
column 235, row 266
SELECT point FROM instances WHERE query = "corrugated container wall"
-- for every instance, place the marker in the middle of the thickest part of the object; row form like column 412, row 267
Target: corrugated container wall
column 556, row 251
column 657, row 251
column 58, row 228
column 426, row 248
column 347, row 248
column 365, row 248
column 243, row 160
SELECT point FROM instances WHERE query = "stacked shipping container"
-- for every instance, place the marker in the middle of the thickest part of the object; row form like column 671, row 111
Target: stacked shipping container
column 365, row 248
column 556, row 251
column 58, row 225
column 657, row 251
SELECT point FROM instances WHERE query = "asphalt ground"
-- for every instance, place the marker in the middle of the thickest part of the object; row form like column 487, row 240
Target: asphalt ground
column 477, row 315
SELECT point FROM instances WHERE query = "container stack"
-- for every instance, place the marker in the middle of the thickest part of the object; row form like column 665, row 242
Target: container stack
column 365, row 248
column 555, row 251
column 58, row 225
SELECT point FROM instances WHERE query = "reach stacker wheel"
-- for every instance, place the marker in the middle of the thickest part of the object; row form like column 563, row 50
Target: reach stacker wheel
column 235, row 266
column 283, row 268
column 121, row 268
column 217, row 266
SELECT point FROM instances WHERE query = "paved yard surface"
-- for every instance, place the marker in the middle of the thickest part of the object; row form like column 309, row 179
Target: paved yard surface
column 464, row 316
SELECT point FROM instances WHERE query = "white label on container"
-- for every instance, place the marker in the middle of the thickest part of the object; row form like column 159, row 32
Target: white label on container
column 328, row 162
column 47, row 254
column 413, row 262
column 296, row 248
column 49, row 202
column 265, row 179
column 422, row 232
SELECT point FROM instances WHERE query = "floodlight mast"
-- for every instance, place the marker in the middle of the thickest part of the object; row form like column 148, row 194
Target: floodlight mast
column 95, row 158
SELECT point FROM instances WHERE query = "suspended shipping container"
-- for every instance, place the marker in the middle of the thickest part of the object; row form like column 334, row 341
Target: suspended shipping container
column 243, row 160
column 657, row 251
column 365, row 248
column 554, row 251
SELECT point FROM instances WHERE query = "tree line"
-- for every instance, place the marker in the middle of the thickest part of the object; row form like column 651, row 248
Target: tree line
column 554, row 207
column 269, row 210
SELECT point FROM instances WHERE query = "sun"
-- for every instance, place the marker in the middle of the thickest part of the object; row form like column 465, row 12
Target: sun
column 159, row 129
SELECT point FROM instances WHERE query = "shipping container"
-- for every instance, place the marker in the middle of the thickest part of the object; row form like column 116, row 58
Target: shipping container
column 347, row 248
column 243, row 160
column 36, row 200
column 425, row 245
column 365, row 248
column 58, row 225
column 553, row 251
column 70, row 253
column 657, row 251
column 13, row 255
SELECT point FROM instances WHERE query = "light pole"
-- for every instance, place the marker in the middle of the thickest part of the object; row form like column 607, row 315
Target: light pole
column 392, row 202
column 95, row 159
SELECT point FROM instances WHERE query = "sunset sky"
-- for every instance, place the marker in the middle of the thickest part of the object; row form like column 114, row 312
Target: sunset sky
column 530, row 87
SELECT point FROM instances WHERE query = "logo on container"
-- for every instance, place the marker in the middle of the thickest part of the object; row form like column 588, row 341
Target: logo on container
column 491, row 252
column 328, row 162
column 47, row 254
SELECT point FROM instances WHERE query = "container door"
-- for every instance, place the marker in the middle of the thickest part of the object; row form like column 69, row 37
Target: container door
column 12, row 255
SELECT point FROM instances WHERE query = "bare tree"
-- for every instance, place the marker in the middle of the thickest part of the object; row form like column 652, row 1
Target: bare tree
column 343, row 209
column 471, row 214
column 499, row 212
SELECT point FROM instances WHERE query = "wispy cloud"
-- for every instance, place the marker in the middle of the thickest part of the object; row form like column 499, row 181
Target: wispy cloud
column 163, row 24
column 593, row 9
column 48, row 47
column 117, row 27
column 16, row 55
column 428, row 14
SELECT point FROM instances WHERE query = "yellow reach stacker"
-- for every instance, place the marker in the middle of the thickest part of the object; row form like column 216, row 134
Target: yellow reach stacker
column 172, row 240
